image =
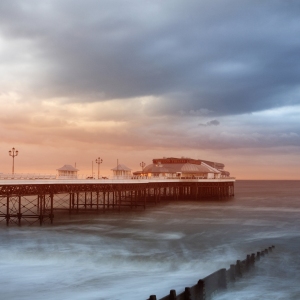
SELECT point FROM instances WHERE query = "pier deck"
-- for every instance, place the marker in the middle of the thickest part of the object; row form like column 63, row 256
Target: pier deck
column 32, row 201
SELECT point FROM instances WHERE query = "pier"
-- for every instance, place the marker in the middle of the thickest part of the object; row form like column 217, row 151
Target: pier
column 37, row 201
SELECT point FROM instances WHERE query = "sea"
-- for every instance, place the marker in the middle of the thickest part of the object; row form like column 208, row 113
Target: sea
column 134, row 254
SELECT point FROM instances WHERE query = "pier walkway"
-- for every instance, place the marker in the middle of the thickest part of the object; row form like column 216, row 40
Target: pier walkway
column 33, row 201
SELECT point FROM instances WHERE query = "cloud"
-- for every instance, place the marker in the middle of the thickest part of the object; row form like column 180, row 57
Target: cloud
column 210, row 123
column 140, row 77
column 227, row 57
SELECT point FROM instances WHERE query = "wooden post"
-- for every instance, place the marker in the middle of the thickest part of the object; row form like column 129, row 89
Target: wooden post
column 187, row 294
column 222, row 279
column 248, row 262
column 238, row 268
column 201, row 287
column 258, row 256
column 172, row 295
column 232, row 273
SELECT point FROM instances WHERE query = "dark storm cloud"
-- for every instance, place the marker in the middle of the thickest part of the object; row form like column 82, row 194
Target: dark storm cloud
column 225, row 57
column 210, row 123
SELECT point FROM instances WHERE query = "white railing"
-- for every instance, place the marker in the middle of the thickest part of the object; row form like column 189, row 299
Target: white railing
column 26, row 176
column 35, row 176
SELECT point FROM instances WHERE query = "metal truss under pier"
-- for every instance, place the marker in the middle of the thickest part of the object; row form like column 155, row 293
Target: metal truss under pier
column 26, row 201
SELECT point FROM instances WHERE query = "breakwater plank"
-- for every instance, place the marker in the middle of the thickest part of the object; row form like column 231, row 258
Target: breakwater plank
column 218, row 281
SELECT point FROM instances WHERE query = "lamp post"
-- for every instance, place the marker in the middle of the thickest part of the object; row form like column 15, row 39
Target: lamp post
column 142, row 164
column 13, row 153
column 99, row 161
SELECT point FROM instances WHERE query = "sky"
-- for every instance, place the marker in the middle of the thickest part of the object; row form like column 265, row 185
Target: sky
column 135, row 80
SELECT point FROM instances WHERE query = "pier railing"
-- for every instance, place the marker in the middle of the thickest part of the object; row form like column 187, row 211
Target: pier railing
column 218, row 281
column 26, row 176
column 38, row 176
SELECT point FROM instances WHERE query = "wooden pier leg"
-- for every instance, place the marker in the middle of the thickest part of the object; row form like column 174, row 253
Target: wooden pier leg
column 19, row 211
column 97, row 200
column 38, row 205
column 73, row 200
column 103, row 201
column 41, row 213
column 113, row 199
column 43, row 204
column 51, row 209
column 77, row 202
column 7, row 211
column 70, row 203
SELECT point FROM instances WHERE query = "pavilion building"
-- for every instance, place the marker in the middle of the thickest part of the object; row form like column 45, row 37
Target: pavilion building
column 67, row 172
column 172, row 167
column 121, row 171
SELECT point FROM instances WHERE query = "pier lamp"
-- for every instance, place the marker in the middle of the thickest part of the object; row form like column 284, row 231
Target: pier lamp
column 142, row 164
column 99, row 161
column 13, row 153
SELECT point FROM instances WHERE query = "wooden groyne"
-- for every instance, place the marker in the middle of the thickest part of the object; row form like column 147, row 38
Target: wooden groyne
column 38, row 200
column 218, row 281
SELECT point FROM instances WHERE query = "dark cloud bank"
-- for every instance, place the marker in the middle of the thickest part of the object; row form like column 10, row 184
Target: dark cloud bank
column 226, row 57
